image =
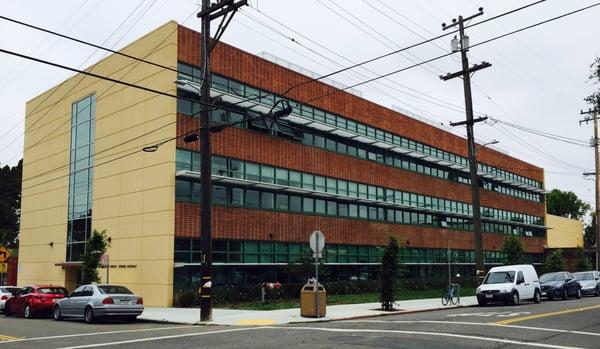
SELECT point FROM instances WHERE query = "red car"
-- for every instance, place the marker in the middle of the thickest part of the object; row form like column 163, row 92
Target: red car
column 34, row 300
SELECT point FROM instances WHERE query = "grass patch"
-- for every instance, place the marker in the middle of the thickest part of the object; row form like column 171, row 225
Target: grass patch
column 333, row 299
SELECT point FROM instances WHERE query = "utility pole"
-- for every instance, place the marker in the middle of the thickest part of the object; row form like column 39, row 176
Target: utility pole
column 462, row 45
column 208, row 13
column 587, row 119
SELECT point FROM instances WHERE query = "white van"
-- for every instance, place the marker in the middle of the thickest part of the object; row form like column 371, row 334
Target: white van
column 509, row 284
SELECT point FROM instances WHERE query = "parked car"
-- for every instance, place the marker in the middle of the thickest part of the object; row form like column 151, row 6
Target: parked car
column 5, row 293
column 90, row 302
column 560, row 284
column 34, row 300
column 589, row 282
column 509, row 284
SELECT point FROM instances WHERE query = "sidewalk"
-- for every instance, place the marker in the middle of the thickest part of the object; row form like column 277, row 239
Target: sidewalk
column 285, row 316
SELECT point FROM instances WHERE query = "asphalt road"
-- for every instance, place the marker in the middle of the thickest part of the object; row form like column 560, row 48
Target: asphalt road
column 556, row 324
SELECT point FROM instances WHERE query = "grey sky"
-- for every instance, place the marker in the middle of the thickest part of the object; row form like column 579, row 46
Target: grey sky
column 538, row 77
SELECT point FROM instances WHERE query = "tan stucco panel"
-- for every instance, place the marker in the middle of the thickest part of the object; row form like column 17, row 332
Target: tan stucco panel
column 564, row 232
column 133, row 196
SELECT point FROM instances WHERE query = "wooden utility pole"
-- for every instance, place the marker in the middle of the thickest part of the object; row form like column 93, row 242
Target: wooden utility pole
column 594, row 119
column 208, row 13
column 462, row 45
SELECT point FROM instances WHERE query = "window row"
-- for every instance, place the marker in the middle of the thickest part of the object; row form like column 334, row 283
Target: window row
column 222, row 166
column 269, row 99
column 268, row 200
column 248, row 251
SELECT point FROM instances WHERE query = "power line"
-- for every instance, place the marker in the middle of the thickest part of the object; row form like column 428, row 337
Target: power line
column 545, row 134
column 448, row 54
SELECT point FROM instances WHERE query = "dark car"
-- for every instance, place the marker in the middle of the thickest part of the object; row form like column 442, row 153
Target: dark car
column 34, row 300
column 560, row 285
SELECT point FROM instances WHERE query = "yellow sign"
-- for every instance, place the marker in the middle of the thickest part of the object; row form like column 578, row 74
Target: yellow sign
column 3, row 268
column 4, row 254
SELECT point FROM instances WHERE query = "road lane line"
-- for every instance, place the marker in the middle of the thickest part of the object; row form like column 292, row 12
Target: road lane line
column 435, row 334
column 477, row 324
column 542, row 315
column 196, row 334
column 95, row 334
column 7, row 338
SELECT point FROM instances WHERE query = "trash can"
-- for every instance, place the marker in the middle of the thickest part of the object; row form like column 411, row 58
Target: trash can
column 312, row 299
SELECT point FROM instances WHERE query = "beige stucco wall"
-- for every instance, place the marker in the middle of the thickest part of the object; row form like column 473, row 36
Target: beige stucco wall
column 564, row 232
column 133, row 196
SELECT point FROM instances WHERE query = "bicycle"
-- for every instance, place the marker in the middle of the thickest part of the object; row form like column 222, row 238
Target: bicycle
column 451, row 295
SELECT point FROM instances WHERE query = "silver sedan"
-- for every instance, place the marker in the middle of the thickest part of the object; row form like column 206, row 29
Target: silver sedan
column 99, row 301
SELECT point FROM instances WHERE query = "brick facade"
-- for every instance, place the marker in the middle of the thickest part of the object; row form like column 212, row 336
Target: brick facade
column 239, row 223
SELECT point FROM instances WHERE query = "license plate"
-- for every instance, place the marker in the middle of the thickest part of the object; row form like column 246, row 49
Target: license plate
column 543, row 293
column 489, row 296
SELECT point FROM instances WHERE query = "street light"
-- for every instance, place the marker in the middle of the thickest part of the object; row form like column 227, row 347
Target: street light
column 494, row 141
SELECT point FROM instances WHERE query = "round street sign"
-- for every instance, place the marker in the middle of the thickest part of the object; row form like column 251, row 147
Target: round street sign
column 317, row 242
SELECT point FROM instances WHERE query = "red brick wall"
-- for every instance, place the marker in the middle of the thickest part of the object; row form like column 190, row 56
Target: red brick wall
column 248, row 224
column 262, row 148
column 255, row 71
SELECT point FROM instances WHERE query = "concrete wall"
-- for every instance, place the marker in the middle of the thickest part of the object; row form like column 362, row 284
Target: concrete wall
column 564, row 232
column 133, row 195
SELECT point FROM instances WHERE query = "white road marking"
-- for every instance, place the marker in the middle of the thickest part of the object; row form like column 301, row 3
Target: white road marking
column 196, row 334
column 96, row 334
column 337, row 330
column 492, row 313
column 435, row 334
column 476, row 324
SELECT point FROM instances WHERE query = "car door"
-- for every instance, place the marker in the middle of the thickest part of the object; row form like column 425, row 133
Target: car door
column 522, row 286
column 67, row 305
column 82, row 300
column 15, row 302
column 23, row 299
column 572, row 282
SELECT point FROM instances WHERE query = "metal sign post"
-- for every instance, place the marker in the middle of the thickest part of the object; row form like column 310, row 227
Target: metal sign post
column 317, row 243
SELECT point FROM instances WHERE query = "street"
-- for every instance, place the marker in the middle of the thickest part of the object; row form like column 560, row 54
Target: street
column 555, row 324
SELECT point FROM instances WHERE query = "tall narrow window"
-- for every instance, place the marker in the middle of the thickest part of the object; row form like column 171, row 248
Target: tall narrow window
column 81, row 173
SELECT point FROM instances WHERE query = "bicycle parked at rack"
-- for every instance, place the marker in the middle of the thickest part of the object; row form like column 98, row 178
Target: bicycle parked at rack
column 451, row 295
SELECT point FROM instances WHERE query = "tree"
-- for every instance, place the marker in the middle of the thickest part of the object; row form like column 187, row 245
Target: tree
column 390, row 268
column 589, row 238
column 514, row 251
column 582, row 263
column 566, row 204
column 555, row 262
column 10, row 204
column 594, row 77
column 96, row 247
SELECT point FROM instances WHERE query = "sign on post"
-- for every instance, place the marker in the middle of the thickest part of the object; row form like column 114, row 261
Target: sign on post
column 4, row 254
column 317, row 243
column 3, row 268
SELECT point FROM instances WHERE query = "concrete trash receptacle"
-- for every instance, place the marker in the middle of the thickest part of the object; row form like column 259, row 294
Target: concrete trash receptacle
column 311, row 299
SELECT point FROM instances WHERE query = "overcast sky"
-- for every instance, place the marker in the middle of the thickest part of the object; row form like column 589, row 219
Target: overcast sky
column 537, row 79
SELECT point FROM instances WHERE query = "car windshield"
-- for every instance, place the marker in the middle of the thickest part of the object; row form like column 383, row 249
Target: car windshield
column 11, row 290
column 552, row 277
column 114, row 290
column 584, row 276
column 52, row 290
column 500, row 277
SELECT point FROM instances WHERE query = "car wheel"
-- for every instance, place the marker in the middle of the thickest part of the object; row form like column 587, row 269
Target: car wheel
column 578, row 295
column 27, row 312
column 482, row 302
column 7, row 311
column 88, row 315
column 537, row 296
column 515, row 298
column 596, row 293
column 56, row 313
column 565, row 295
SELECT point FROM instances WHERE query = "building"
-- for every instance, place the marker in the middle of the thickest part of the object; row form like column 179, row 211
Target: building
column 353, row 169
column 565, row 234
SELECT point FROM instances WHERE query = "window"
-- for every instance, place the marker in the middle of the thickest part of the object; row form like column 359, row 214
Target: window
column 295, row 203
column 252, row 198
column 308, row 205
column 320, row 206
column 267, row 200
